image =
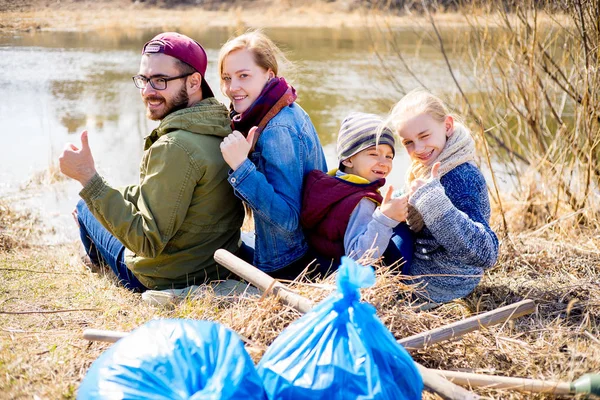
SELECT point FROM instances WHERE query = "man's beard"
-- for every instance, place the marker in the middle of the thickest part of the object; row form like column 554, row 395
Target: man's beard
column 179, row 102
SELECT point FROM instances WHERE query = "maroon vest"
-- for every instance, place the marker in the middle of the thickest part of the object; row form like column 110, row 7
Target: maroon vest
column 326, row 207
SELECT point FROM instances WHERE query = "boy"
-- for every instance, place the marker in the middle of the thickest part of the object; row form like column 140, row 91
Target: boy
column 343, row 212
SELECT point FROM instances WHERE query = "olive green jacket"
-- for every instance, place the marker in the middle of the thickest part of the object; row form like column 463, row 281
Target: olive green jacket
column 183, row 209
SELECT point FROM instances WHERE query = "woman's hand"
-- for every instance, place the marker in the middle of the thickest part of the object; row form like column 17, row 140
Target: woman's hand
column 417, row 183
column 235, row 147
column 395, row 208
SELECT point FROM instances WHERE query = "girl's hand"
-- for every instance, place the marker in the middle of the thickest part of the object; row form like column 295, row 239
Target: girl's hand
column 395, row 208
column 417, row 183
column 235, row 147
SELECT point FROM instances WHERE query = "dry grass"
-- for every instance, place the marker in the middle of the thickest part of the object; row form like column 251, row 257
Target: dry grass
column 15, row 227
column 43, row 354
column 47, row 176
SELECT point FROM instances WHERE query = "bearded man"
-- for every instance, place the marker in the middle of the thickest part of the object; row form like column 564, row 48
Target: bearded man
column 162, row 232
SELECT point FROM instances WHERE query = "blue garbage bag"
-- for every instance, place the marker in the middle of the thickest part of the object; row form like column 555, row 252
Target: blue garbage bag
column 340, row 350
column 174, row 359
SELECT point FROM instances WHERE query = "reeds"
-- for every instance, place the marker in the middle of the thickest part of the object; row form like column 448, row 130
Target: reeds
column 16, row 227
column 528, row 82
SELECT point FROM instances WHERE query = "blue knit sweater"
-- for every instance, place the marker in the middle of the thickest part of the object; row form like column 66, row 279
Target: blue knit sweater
column 456, row 243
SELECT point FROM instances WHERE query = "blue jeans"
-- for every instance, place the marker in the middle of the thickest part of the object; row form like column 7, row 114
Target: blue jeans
column 320, row 266
column 101, row 246
column 401, row 246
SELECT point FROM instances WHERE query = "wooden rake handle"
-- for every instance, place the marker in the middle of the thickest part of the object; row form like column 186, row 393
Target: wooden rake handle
column 460, row 328
column 262, row 281
column 506, row 382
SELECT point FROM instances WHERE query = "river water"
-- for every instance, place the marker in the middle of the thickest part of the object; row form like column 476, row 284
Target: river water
column 56, row 84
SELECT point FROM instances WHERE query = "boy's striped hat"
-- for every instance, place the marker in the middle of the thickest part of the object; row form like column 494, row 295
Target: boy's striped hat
column 359, row 132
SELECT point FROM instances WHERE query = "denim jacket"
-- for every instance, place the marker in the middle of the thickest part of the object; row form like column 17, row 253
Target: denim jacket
column 270, row 181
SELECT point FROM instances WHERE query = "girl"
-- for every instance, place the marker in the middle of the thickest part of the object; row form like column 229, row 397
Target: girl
column 449, row 209
column 273, row 146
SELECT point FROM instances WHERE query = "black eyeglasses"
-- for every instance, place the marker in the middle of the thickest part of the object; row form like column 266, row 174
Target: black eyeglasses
column 157, row 82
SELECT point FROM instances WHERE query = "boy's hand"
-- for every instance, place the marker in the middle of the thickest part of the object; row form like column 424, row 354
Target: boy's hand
column 394, row 208
column 235, row 147
column 417, row 183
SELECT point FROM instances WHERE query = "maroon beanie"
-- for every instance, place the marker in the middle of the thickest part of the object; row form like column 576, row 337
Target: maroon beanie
column 184, row 49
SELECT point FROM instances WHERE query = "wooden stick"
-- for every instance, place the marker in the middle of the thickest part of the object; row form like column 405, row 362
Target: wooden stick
column 262, row 281
column 444, row 388
column 50, row 311
column 505, row 382
column 431, row 380
column 114, row 336
column 460, row 328
column 33, row 271
column 103, row 336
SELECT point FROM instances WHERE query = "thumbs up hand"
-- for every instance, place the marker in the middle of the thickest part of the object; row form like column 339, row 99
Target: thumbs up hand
column 235, row 147
column 78, row 163
column 417, row 183
column 394, row 208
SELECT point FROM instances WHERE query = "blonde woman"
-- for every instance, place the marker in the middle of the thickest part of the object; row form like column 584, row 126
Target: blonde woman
column 273, row 146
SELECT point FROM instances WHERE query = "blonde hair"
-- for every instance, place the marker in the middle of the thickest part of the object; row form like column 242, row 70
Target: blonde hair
column 265, row 52
column 414, row 103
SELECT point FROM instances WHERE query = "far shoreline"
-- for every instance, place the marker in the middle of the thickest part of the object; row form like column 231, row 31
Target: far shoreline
column 93, row 17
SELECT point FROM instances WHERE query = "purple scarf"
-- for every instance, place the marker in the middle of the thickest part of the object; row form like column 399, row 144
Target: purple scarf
column 276, row 95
